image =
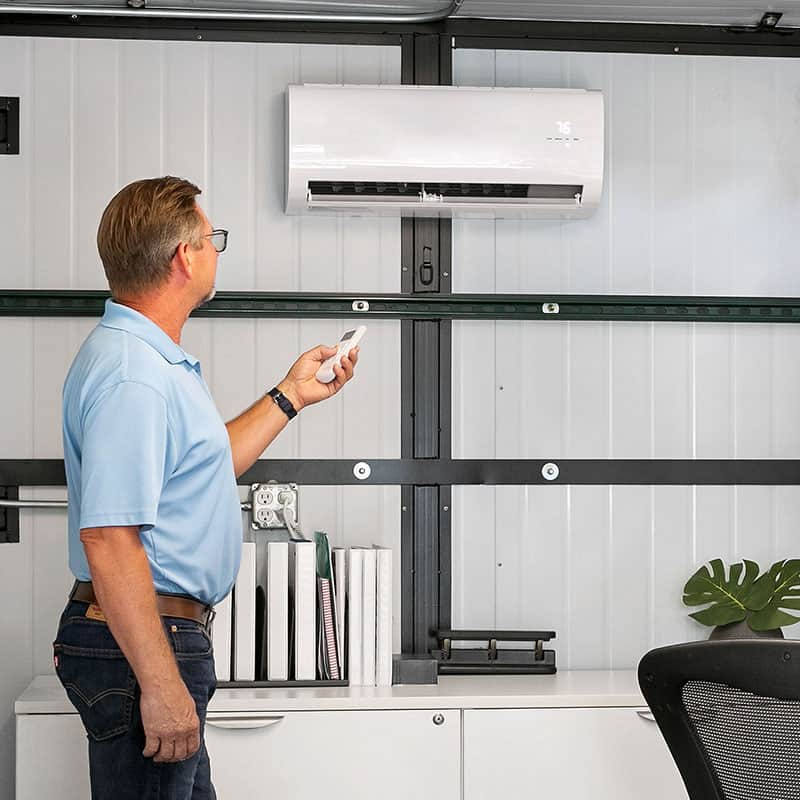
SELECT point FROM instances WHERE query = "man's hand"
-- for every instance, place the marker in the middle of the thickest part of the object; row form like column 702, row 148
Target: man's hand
column 123, row 583
column 171, row 724
column 256, row 428
column 301, row 385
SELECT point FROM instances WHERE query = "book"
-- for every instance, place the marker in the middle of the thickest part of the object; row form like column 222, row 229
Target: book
column 244, row 604
column 355, row 605
column 383, row 617
column 261, row 631
column 277, row 611
column 328, row 658
column 303, row 606
column 221, row 637
column 368, row 619
column 340, row 589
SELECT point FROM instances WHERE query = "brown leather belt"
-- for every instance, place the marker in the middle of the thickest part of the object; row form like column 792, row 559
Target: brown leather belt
column 169, row 605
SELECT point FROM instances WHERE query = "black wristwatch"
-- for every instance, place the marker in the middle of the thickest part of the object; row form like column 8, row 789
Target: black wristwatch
column 282, row 402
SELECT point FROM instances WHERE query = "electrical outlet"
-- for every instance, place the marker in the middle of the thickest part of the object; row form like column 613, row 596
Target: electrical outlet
column 268, row 501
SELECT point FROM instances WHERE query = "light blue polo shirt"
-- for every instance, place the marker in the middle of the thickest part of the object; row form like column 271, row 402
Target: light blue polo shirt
column 145, row 445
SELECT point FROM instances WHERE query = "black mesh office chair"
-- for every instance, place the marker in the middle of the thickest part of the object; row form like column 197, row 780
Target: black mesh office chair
column 730, row 714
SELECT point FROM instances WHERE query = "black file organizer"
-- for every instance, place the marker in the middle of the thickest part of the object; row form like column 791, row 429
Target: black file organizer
column 492, row 660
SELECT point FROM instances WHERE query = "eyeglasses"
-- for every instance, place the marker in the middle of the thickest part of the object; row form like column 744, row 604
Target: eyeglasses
column 219, row 239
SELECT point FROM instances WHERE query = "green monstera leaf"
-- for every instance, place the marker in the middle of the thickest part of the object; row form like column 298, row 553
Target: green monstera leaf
column 729, row 597
column 784, row 579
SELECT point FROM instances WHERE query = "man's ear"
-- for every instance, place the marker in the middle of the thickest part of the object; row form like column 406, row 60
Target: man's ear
column 182, row 261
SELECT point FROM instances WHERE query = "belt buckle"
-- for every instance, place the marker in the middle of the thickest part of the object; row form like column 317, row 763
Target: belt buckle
column 212, row 613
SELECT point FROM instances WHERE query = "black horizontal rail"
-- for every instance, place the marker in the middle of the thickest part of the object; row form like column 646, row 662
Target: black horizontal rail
column 200, row 30
column 626, row 37
column 464, row 472
column 552, row 307
column 622, row 37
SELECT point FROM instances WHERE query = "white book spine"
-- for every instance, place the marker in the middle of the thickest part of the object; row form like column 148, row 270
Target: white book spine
column 221, row 637
column 355, row 604
column 383, row 618
column 340, row 589
column 305, row 610
column 244, row 662
column 368, row 622
column 278, row 611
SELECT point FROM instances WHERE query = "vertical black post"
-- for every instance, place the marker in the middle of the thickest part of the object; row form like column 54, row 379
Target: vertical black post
column 426, row 391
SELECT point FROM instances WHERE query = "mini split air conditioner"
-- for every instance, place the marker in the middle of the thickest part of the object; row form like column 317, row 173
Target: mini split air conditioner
column 442, row 151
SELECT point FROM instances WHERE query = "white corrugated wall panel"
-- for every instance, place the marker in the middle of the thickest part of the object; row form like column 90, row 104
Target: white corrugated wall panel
column 700, row 198
column 97, row 114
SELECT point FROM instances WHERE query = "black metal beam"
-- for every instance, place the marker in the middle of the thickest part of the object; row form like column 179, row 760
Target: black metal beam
column 430, row 305
column 621, row 37
column 411, row 472
column 625, row 37
column 425, row 390
column 201, row 30
column 512, row 472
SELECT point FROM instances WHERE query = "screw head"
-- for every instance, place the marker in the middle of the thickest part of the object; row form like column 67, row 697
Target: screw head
column 362, row 470
column 550, row 471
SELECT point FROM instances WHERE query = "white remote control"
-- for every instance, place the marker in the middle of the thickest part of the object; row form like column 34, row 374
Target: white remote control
column 349, row 340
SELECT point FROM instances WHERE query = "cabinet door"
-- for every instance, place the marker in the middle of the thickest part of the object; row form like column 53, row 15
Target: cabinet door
column 52, row 757
column 602, row 753
column 352, row 754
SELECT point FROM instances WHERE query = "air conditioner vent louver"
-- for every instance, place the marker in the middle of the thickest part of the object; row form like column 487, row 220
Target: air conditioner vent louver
column 392, row 189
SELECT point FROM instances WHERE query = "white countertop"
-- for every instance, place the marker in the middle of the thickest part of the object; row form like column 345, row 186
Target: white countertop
column 569, row 689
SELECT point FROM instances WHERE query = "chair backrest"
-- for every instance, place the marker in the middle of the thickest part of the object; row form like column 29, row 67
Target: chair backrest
column 730, row 714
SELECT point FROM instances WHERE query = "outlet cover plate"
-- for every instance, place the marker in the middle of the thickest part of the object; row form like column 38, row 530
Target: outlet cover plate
column 267, row 500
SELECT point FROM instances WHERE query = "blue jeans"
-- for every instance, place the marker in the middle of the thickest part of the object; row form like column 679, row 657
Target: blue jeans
column 102, row 687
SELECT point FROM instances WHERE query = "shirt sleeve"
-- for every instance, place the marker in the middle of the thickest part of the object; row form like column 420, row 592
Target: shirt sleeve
column 124, row 457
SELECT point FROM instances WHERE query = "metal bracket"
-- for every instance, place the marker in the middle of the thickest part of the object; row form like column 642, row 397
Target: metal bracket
column 426, row 267
column 770, row 20
column 9, row 517
column 9, row 126
column 767, row 24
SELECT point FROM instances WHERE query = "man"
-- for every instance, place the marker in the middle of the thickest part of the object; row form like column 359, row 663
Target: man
column 154, row 517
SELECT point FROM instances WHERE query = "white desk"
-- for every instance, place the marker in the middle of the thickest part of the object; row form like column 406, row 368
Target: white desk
column 569, row 735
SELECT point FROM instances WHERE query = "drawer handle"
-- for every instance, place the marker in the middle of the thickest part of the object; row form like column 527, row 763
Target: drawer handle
column 646, row 715
column 242, row 723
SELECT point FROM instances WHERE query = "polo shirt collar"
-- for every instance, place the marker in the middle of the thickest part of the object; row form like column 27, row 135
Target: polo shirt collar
column 124, row 318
